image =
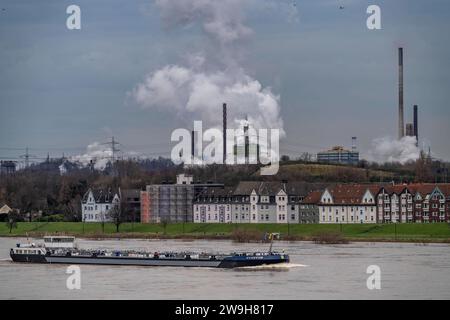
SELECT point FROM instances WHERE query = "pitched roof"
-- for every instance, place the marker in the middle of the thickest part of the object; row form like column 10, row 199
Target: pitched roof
column 246, row 187
column 351, row 193
column 422, row 188
column 4, row 208
column 101, row 196
column 217, row 192
column 313, row 197
column 271, row 188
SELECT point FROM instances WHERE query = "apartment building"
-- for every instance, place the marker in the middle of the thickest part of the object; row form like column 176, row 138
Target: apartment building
column 309, row 209
column 421, row 203
column 214, row 205
column 348, row 204
column 253, row 202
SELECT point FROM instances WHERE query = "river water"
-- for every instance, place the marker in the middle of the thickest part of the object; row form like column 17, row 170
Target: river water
column 408, row 271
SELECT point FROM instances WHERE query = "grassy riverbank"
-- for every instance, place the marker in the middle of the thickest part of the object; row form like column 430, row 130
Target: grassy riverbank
column 438, row 232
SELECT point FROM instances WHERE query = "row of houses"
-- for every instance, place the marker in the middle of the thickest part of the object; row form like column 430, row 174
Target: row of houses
column 278, row 202
column 258, row 202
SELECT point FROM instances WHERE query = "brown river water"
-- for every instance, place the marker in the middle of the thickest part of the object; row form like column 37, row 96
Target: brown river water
column 408, row 271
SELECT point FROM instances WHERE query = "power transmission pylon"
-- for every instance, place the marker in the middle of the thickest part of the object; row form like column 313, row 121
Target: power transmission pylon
column 113, row 143
column 27, row 157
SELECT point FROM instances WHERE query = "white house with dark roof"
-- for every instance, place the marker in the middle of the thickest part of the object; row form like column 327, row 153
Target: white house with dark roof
column 96, row 205
column 348, row 204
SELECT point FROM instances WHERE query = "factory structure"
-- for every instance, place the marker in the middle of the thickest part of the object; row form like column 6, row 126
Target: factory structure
column 340, row 155
column 411, row 129
column 245, row 146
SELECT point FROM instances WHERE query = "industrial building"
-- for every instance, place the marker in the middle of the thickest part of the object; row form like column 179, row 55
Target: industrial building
column 411, row 129
column 339, row 155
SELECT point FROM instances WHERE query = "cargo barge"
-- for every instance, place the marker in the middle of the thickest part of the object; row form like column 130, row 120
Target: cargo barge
column 60, row 249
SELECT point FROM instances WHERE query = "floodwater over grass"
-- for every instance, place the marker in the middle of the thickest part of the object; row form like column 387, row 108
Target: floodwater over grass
column 433, row 232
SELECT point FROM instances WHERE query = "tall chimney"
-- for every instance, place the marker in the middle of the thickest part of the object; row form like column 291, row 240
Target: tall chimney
column 416, row 124
column 224, row 132
column 193, row 145
column 401, row 126
column 246, row 141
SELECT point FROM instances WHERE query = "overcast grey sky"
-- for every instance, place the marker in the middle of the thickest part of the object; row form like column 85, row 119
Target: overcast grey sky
column 61, row 90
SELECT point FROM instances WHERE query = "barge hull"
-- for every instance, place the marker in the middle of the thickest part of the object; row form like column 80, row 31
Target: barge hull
column 134, row 261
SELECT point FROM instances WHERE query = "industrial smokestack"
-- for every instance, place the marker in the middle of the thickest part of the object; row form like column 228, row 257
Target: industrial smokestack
column 401, row 126
column 224, row 132
column 246, row 141
column 193, row 144
column 416, row 124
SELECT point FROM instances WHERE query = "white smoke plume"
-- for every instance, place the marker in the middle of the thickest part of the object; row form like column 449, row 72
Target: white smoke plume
column 220, row 19
column 392, row 150
column 99, row 154
column 198, row 95
column 197, row 90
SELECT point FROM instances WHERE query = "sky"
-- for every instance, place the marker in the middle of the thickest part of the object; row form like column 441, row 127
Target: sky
column 309, row 67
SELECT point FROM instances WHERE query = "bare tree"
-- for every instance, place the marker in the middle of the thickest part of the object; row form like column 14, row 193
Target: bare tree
column 164, row 223
column 11, row 221
column 115, row 214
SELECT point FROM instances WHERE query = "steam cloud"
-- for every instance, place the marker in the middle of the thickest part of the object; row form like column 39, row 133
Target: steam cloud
column 99, row 154
column 196, row 91
column 220, row 19
column 392, row 150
